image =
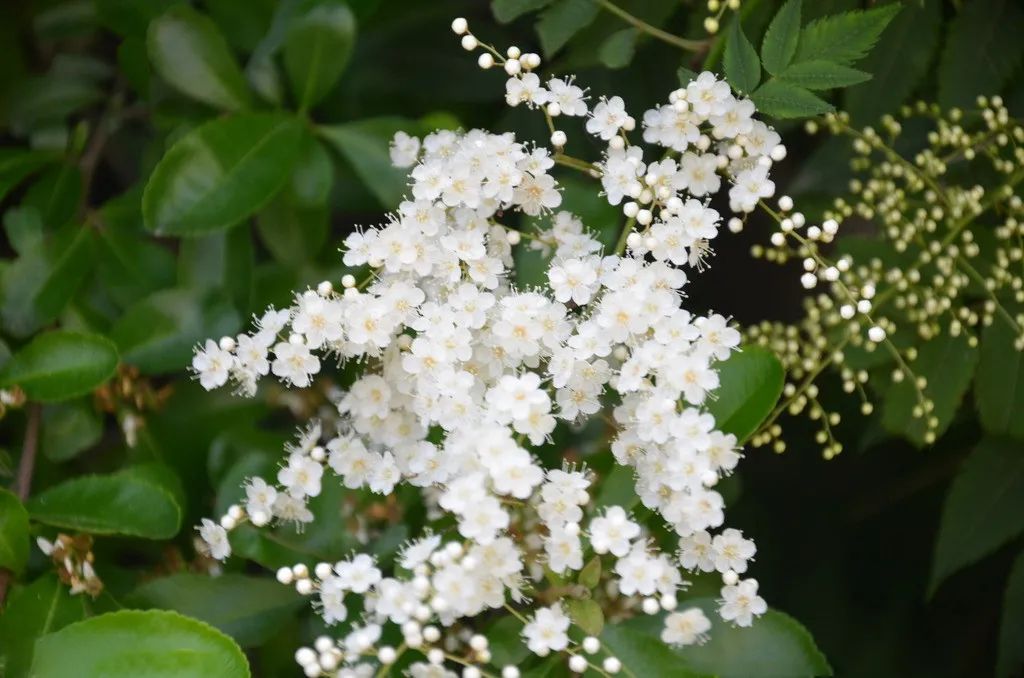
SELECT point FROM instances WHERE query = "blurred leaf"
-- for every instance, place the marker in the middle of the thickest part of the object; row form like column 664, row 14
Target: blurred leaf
column 60, row 365
column 133, row 62
column 56, row 194
column 617, row 50
column 220, row 173
column 782, row 100
column 44, row 100
column 845, row 38
column 32, row 611
column 364, row 144
column 898, row 64
column 590, row 575
column 157, row 334
column 742, row 67
column 13, row 533
column 1011, row 628
column 130, row 17
column 189, row 52
column 130, row 263
column 24, row 228
column 219, row 261
column 780, row 40
column 139, row 501
column 317, row 50
column 685, row 76
column 983, row 510
column 999, row 384
column 586, row 614
column 154, row 643
column 509, row 10
column 750, row 384
column 561, row 21
column 982, row 50
column 249, row 609
column 818, row 74
column 69, row 19
column 618, row 488
column 16, row 164
column 947, row 363
column 244, row 22
column 506, row 642
column 642, row 653
column 69, row 428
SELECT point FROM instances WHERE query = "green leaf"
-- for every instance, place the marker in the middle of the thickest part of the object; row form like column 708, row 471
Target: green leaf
column 364, row 144
column 776, row 645
column 69, row 428
column 845, row 38
column 17, row 164
column 56, row 194
column 249, row 609
column 44, row 606
column 618, row 488
column 900, row 62
column 590, row 575
column 782, row 100
column 219, row 261
column 509, row 10
column 1011, row 628
column 983, row 510
column 220, row 173
column 999, row 383
column 46, row 101
column 742, row 67
column 982, row 50
column 189, row 52
column 24, row 228
column 617, row 50
column 562, row 20
column 506, row 642
column 140, row 501
column 586, row 614
column 317, row 50
column 750, row 384
column 780, row 40
column 60, row 365
column 154, row 644
column 685, row 76
column 157, row 334
column 13, row 533
column 819, row 74
column 130, row 17
column 947, row 363
column 130, row 263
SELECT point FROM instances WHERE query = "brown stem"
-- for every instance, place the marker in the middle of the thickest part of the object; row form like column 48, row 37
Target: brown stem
column 26, row 465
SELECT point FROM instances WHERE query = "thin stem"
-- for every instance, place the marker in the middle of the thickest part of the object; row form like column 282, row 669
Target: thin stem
column 575, row 163
column 653, row 31
column 620, row 246
column 26, row 465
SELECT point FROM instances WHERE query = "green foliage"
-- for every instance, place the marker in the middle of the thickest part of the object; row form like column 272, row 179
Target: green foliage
column 364, row 145
column 151, row 643
column 32, row 612
column 999, row 383
column 962, row 74
column 742, row 67
column 317, row 49
column 561, row 21
column 1011, row 628
column 509, row 10
column 751, row 382
column 984, row 508
column 69, row 429
column 586, row 614
column 617, row 51
column 60, row 365
column 13, row 533
column 844, row 38
column 780, row 40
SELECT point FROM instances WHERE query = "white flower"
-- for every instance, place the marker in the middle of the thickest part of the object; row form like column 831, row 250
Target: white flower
column 732, row 551
column 301, row 476
column 525, row 89
column 740, row 603
column 638, row 572
column 547, row 631
column 608, row 117
column 404, row 150
column 695, row 552
column 613, row 532
column 215, row 539
column 260, row 498
column 294, row 363
column 358, row 574
column 574, row 279
column 686, row 627
column 751, row 186
column 564, row 550
column 212, row 365
column 568, row 96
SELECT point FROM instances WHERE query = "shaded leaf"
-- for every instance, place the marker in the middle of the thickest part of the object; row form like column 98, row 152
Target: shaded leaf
column 364, row 144
column 617, row 50
column 60, row 365
column 742, row 67
column 13, row 533
column 780, row 40
column 317, row 50
column 1011, row 628
column 562, row 20
column 982, row 49
column 999, row 383
column 508, row 10
column 16, row 164
column 68, row 429
column 751, row 381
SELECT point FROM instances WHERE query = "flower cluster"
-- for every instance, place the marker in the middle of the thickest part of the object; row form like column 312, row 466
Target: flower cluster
column 464, row 376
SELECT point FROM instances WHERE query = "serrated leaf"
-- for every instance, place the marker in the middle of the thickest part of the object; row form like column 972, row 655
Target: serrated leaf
column 249, row 609
column 984, row 508
column 750, row 381
column 586, row 614
column 782, row 100
column 140, row 501
column 844, row 38
column 509, row 10
column 152, row 643
column 189, row 52
column 999, row 383
column 818, row 75
column 617, row 50
column 220, row 173
column 982, row 50
column 44, row 606
column 947, row 363
column 1011, row 628
column 590, row 575
column 742, row 67
column 60, row 365
column 780, row 40
column 562, row 20
column 898, row 64
column 13, row 533
column 317, row 49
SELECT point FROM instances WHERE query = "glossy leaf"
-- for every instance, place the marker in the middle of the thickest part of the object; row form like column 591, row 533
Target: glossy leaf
column 249, row 609
column 984, row 508
column 220, row 173
column 1011, row 628
column 947, row 363
column 13, row 533
column 219, row 262
column 140, row 501
column 750, row 384
column 819, row 74
column 364, row 144
column 149, row 644
column 69, row 428
column 742, row 67
column 999, row 383
column 317, row 50
column 562, row 20
column 780, row 40
column 189, row 52
column 782, row 100
column 845, row 38
column 32, row 611
column 60, row 365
